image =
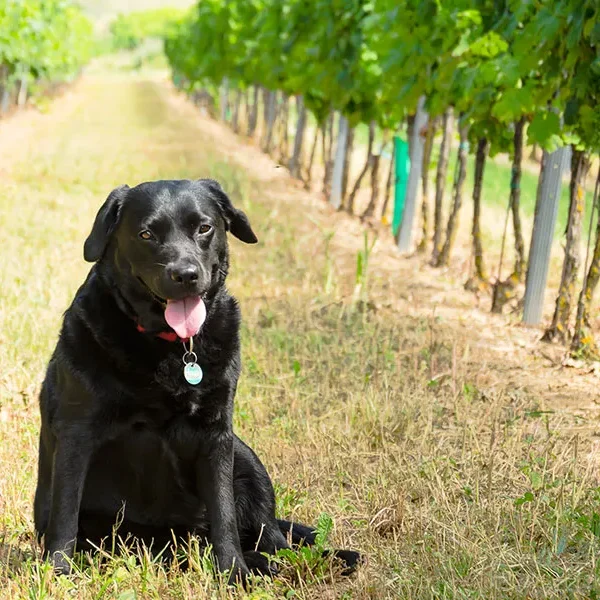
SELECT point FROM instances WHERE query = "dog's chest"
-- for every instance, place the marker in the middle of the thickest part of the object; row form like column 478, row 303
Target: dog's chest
column 193, row 406
column 162, row 412
column 166, row 387
column 179, row 371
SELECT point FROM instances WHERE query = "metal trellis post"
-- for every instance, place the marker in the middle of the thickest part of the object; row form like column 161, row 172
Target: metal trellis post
column 543, row 231
column 417, row 144
column 335, row 198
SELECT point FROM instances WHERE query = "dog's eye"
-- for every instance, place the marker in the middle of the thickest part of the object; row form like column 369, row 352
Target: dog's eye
column 204, row 228
column 146, row 235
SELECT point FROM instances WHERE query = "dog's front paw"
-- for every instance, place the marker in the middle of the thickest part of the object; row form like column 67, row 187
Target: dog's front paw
column 238, row 574
column 234, row 565
column 259, row 564
column 59, row 554
column 60, row 562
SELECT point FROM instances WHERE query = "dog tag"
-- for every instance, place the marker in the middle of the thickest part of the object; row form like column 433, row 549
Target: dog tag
column 193, row 373
column 191, row 370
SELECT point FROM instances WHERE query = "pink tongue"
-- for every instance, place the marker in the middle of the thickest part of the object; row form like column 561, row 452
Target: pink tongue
column 185, row 316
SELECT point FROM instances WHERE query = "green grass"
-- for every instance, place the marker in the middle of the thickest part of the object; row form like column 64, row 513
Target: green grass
column 453, row 489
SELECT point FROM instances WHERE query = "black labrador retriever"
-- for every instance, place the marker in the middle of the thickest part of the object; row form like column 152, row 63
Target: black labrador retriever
column 136, row 426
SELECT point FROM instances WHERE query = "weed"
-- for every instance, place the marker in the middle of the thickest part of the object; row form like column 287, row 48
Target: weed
column 361, row 279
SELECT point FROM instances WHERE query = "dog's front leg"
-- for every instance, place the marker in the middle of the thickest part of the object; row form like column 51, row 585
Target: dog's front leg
column 72, row 454
column 215, row 482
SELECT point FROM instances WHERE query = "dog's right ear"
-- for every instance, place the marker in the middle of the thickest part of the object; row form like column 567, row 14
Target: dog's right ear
column 104, row 224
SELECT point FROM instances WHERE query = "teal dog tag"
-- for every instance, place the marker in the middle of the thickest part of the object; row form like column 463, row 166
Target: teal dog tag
column 193, row 373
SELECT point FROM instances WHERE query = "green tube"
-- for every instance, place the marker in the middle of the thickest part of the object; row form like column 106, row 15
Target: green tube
column 402, row 168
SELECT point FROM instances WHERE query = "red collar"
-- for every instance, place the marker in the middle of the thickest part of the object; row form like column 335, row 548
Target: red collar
column 170, row 336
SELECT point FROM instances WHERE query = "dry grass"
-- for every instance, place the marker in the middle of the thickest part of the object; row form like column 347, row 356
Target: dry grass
column 427, row 435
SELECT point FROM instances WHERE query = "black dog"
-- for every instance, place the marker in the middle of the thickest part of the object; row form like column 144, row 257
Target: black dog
column 125, row 432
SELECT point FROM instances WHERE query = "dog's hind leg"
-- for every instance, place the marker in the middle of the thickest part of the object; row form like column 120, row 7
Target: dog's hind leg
column 303, row 535
column 260, row 531
column 298, row 533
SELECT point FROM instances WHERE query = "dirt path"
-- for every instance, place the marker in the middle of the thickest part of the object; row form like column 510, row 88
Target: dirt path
column 385, row 418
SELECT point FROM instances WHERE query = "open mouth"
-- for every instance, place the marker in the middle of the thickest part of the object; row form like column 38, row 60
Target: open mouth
column 185, row 316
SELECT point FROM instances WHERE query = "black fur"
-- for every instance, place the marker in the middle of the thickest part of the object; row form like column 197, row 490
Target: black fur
column 122, row 431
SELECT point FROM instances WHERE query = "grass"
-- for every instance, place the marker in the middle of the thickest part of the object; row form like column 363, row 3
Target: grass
column 452, row 489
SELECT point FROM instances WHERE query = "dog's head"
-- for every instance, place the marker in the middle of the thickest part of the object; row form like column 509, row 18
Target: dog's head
column 169, row 237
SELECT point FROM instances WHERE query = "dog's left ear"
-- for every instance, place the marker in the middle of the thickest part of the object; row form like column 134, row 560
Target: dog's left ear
column 104, row 224
column 236, row 220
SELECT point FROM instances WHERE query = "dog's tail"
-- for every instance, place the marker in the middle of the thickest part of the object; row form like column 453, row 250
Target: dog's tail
column 303, row 535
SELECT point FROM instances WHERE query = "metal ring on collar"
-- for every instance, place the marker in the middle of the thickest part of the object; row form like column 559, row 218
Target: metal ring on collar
column 191, row 356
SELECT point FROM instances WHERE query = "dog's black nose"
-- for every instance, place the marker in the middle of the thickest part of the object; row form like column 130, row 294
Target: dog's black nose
column 184, row 274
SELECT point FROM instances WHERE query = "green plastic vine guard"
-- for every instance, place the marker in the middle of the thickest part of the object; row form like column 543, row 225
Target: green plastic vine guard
column 402, row 169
